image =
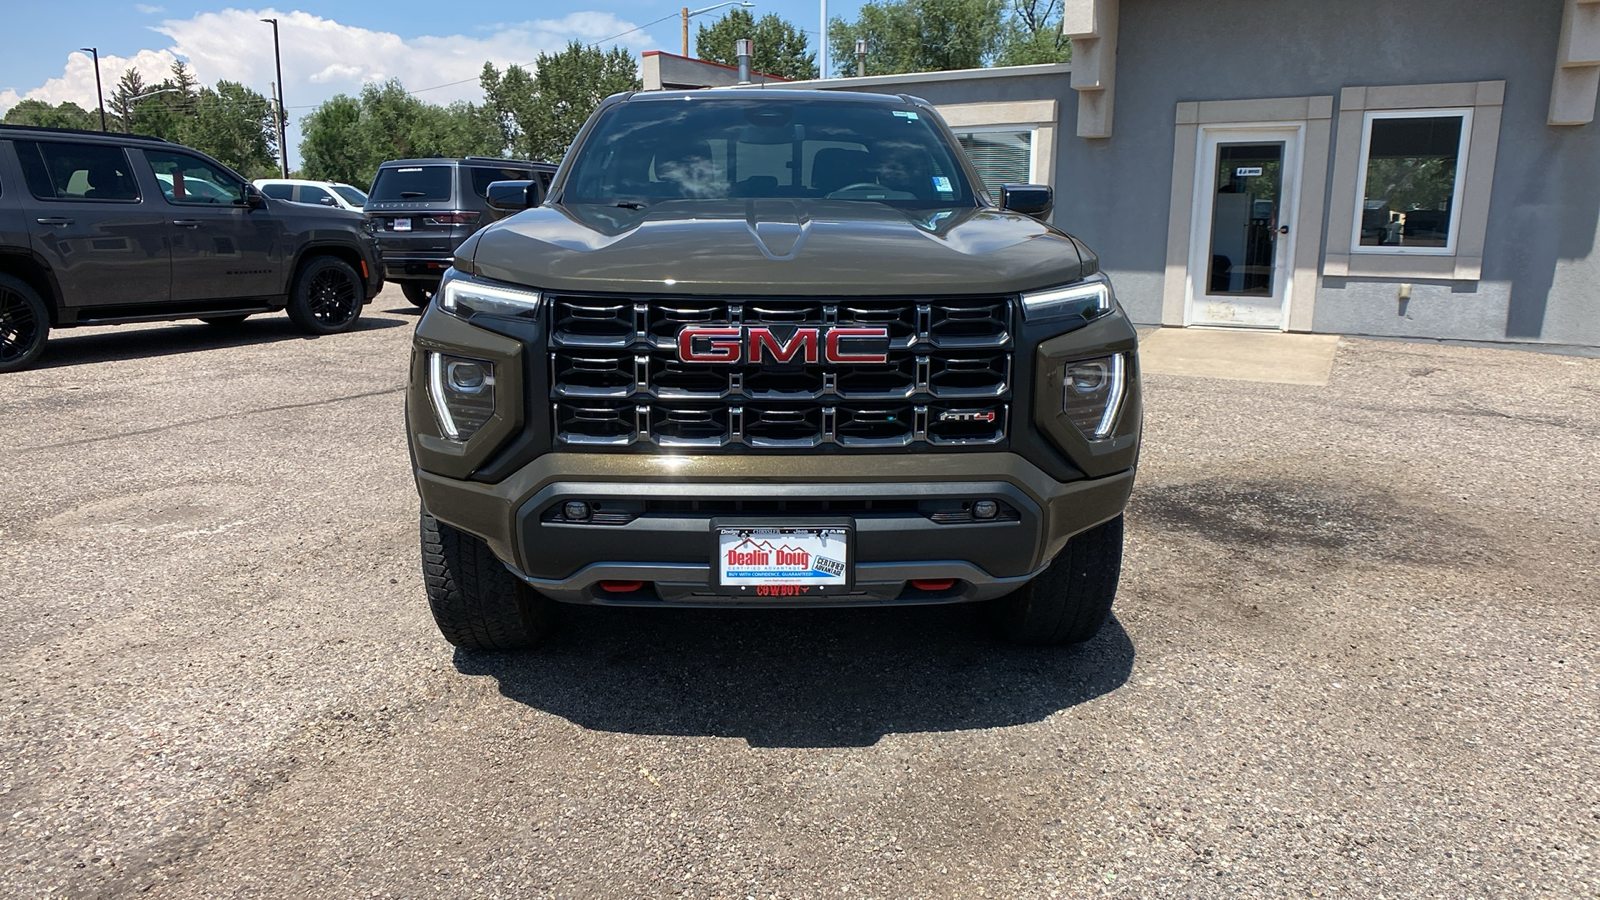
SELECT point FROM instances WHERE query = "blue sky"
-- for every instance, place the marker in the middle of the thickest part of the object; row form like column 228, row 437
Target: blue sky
column 329, row 46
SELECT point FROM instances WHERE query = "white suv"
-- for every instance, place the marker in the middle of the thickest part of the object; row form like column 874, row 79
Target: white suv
column 323, row 193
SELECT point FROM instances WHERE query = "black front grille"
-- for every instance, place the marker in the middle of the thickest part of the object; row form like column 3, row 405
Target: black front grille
column 617, row 380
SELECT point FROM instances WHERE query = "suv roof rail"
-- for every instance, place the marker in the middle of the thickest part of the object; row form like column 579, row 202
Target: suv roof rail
column 118, row 135
column 504, row 159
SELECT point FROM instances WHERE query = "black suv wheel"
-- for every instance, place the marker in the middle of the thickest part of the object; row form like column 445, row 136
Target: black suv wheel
column 477, row 603
column 326, row 297
column 24, row 324
column 1069, row 601
column 420, row 293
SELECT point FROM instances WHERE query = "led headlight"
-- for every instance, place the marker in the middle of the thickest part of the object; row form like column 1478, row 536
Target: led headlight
column 1091, row 393
column 464, row 296
column 1090, row 299
column 462, row 390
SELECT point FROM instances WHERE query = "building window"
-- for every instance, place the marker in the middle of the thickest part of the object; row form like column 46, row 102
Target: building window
column 1410, row 191
column 1001, row 156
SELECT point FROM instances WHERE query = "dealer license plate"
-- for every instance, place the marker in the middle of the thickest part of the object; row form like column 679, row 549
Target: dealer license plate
column 783, row 561
column 402, row 224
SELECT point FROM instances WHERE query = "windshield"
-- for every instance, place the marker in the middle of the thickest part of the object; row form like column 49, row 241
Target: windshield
column 412, row 183
column 650, row 151
column 351, row 195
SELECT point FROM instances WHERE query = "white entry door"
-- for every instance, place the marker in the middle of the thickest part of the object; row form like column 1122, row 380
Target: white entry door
column 1247, row 189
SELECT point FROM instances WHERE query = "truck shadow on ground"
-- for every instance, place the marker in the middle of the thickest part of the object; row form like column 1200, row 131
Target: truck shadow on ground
column 70, row 347
column 799, row 678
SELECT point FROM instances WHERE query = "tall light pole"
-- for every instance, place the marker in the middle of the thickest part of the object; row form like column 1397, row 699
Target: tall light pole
column 99, row 94
column 283, row 142
column 822, row 52
column 687, row 13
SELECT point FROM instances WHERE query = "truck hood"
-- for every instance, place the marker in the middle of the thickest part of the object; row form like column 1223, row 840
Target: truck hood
column 774, row 247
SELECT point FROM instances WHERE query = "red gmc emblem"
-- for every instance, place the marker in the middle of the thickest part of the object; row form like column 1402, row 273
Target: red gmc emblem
column 732, row 344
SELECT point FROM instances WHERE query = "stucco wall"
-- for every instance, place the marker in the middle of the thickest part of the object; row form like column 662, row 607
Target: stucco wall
column 1541, row 272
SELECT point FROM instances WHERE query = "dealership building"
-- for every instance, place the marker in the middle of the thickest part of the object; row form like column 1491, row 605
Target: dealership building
column 1423, row 169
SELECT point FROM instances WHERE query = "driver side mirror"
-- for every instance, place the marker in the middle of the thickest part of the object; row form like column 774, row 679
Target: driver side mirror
column 515, row 195
column 328, row 201
column 1035, row 200
column 253, row 197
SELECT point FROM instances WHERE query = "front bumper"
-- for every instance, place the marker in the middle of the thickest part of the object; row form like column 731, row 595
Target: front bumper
column 670, row 548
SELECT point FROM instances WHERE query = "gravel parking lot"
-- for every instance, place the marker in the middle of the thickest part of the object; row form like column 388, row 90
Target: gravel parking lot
column 1355, row 655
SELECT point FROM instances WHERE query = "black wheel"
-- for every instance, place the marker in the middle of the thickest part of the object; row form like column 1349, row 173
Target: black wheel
column 326, row 297
column 24, row 324
column 1069, row 601
column 225, row 321
column 420, row 293
column 477, row 603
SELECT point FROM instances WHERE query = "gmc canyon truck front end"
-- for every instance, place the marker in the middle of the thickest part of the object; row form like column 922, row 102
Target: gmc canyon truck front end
column 772, row 348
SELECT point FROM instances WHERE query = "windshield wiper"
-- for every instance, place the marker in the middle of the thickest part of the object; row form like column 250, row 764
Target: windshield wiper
column 407, row 195
column 629, row 204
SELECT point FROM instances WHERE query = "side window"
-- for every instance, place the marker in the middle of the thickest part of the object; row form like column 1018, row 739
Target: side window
column 313, row 194
column 57, row 170
column 191, row 181
column 483, row 177
column 545, row 178
column 275, row 191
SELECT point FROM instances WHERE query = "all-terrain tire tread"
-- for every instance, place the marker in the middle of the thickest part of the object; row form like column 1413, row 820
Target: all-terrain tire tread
column 476, row 602
column 1071, row 600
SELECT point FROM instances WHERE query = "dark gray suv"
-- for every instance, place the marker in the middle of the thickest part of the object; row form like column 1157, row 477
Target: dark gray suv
column 422, row 209
column 98, row 229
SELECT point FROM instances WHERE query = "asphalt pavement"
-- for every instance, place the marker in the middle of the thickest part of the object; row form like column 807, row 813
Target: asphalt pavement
column 1354, row 655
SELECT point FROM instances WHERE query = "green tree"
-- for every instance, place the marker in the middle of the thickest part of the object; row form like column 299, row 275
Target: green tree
column 233, row 124
column 545, row 111
column 919, row 35
column 780, row 47
column 130, row 85
column 43, row 115
column 1032, row 34
column 346, row 138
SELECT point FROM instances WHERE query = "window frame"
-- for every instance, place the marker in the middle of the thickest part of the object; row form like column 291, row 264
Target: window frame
column 1035, row 165
column 1463, row 149
column 1463, row 259
column 39, row 144
column 237, row 203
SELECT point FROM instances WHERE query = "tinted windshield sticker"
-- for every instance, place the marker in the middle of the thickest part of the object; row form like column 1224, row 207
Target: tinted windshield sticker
column 941, row 184
column 415, row 169
column 906, row 114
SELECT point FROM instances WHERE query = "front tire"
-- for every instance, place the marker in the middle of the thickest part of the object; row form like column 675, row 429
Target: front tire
column 1068, row 602
column 420, row 293
column 477, row 603
column 24, row 324
column 326, row 297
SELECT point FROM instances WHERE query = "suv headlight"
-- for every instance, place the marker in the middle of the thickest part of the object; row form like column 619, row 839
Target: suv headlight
column 465, row 295
column 1091, row 393
column 1090, row 298
column 462, row 390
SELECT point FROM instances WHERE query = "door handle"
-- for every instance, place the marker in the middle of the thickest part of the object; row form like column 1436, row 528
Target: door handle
column 1283, row 230
column 55, row 220
column 186, row 223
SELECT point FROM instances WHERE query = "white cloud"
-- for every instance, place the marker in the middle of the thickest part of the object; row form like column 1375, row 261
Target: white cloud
column 322, row 57
column 149, row 10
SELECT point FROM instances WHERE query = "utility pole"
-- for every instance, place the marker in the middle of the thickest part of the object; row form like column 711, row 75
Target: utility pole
column 99, row 94
column 283, row 142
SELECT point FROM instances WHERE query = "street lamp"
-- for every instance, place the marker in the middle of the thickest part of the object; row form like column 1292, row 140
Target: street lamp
column 283, row 147
column 132, row 108
column 687, row 13
column 99, row 95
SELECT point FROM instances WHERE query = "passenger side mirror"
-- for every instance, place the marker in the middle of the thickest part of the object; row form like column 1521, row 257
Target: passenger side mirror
column 327, row 201
column 1034, row 200
column 513, row 195
column 253, row 197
